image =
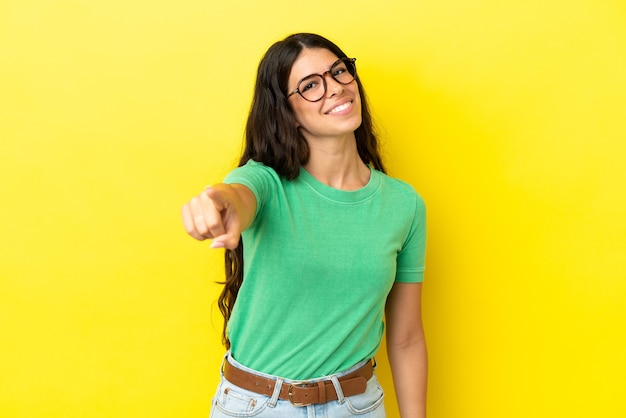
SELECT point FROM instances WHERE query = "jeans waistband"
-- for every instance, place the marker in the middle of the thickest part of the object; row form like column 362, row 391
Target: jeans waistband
column 228, row 357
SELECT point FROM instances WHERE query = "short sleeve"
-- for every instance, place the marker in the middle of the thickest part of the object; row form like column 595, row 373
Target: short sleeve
column 260, row 179
column 412, row 256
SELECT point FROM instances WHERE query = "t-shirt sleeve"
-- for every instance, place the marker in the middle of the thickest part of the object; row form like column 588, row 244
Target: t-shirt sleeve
column 259, row 178
column 411, row 259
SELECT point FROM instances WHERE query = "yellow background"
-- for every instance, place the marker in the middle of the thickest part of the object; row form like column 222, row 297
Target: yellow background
column 508, row 117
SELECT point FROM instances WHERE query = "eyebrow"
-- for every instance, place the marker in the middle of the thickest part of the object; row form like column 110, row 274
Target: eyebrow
column 309, row 75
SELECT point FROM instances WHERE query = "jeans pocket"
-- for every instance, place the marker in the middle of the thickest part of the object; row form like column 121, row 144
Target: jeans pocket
column 233, row 401
column 371, row 400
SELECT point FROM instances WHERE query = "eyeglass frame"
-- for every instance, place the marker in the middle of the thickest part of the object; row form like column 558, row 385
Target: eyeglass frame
column 323, row 76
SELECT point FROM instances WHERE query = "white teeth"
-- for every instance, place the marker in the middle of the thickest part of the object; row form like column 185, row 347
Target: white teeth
column 340, row 108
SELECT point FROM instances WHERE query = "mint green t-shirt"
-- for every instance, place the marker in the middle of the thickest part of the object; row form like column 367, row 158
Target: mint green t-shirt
column 318, row 265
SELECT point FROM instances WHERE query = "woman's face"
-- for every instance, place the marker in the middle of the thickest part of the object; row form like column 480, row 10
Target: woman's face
column 338, row 113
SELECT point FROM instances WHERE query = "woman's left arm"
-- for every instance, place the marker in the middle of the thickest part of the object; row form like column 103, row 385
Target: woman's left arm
column 406, row 348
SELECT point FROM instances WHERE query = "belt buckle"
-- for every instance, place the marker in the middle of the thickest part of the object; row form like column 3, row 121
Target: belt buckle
column 290, row 394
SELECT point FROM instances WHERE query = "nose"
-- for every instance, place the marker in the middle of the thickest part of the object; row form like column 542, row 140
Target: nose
column 333, row 87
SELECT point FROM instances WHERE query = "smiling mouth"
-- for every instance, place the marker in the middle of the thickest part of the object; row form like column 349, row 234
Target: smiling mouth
column 339, row 108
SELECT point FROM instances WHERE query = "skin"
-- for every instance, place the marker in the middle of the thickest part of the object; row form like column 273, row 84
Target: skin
column 406, row 348
column 334, row 158
column 221, row 212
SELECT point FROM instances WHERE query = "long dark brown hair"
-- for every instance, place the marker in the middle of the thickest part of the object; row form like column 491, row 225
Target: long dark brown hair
column 272, row 138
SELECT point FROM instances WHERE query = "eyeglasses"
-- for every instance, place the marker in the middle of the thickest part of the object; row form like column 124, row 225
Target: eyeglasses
column 313, row 87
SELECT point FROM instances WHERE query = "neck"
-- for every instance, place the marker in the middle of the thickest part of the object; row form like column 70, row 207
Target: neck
column 337, row 164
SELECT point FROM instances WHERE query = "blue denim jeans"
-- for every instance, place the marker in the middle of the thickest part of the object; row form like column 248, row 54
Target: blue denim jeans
column 233, row 401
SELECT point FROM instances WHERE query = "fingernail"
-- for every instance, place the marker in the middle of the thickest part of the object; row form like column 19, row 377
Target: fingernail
column 217, row 244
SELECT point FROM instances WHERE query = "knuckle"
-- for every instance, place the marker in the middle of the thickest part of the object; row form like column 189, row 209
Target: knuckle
column 214, row 225
column 201, row 226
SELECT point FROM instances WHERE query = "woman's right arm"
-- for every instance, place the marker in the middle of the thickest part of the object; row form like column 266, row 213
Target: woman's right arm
column 221, row 212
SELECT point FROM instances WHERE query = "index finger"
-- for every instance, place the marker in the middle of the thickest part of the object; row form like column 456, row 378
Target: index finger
column 212, row 213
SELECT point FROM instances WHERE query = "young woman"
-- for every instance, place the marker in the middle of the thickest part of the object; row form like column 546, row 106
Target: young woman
column 331, row 244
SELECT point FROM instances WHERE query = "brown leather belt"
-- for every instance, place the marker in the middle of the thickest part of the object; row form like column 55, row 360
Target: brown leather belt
column 302, row 393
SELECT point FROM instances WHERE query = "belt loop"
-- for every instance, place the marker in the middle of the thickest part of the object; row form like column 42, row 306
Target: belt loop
column 278, row 385
column 224, row 360
column 321, row 387
column 337, row 385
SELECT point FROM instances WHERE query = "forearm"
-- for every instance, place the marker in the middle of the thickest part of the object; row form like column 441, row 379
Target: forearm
column 409, row 366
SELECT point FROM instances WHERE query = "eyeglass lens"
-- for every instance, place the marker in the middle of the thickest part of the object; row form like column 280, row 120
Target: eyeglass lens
column 313, row 87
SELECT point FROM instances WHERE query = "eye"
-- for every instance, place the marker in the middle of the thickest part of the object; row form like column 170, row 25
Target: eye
column 340, row 69
column 309, row 84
